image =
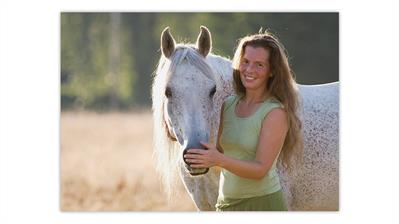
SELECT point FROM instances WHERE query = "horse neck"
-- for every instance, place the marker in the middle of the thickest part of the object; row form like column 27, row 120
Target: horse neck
column 221, row 68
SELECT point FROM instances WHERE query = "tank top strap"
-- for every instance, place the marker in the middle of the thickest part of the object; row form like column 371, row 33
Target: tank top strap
column 230, row 101
column 269, row 105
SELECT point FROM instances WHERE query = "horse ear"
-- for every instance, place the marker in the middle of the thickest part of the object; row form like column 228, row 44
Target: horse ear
column 167, row 43
column 204, row 41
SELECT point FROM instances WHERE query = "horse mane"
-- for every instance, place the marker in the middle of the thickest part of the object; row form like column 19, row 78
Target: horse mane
column 166, row 152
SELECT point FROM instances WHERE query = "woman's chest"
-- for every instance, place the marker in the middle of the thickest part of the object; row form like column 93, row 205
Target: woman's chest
column 244, row 110
column 240, row 136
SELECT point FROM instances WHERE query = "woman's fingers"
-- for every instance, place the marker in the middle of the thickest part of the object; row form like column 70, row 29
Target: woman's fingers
column 208, row 146
column 194, row 161
column 195, row 151
column 192, row 156
column 198, row 158
column 198, row 166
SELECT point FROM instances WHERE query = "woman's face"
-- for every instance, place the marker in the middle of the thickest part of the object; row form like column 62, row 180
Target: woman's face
column 255, row 68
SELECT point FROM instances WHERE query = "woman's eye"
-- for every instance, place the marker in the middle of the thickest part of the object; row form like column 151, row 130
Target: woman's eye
column 168, row 92
column 244, row 62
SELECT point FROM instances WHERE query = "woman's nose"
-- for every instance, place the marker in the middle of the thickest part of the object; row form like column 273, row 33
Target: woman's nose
column 250, row 68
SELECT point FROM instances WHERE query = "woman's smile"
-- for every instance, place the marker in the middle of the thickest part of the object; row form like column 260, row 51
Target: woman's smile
column 249, row 78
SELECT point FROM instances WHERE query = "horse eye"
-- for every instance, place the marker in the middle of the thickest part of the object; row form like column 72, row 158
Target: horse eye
column 213, row 91
column 168, row 92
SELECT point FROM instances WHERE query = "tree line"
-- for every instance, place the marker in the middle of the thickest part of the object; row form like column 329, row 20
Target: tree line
column 108, row 59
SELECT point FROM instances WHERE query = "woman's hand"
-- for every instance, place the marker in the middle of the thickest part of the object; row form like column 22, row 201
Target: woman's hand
column 200, row 158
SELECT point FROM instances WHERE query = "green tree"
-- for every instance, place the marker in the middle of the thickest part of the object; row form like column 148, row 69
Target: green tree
column 89, row 77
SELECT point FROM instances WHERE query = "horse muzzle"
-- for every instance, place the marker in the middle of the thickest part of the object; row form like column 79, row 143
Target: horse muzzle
column 196, row 171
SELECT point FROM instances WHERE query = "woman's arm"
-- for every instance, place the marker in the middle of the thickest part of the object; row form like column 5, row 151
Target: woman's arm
column 271, row 140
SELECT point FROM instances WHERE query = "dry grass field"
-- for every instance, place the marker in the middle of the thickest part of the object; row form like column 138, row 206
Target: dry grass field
column 106, row 164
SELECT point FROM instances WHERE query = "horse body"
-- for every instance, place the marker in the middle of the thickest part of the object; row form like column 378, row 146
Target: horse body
column 186, row 111
column 314, row 181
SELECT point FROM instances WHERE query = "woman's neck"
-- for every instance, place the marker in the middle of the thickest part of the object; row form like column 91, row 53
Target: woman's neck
column 253, row 97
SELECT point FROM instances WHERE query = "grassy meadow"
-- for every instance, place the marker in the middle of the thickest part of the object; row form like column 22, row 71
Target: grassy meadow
column 106, row 164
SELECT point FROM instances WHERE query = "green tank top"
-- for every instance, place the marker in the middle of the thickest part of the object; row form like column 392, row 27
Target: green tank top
column 239, row 140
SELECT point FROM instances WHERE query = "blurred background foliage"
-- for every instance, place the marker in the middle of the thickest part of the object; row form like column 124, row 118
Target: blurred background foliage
column 108, row 59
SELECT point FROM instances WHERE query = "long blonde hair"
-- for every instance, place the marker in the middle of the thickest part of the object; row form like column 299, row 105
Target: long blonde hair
column 281, row 85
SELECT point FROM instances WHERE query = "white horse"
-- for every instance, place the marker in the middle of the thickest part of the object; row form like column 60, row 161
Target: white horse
column 189, row 87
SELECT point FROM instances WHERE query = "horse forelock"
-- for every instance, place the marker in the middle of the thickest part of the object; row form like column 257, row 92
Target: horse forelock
column 193, row 57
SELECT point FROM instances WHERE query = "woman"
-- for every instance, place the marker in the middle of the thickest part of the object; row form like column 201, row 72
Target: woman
column 257, row 125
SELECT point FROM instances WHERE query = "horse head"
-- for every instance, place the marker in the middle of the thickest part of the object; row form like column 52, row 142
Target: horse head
column 188, row 90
